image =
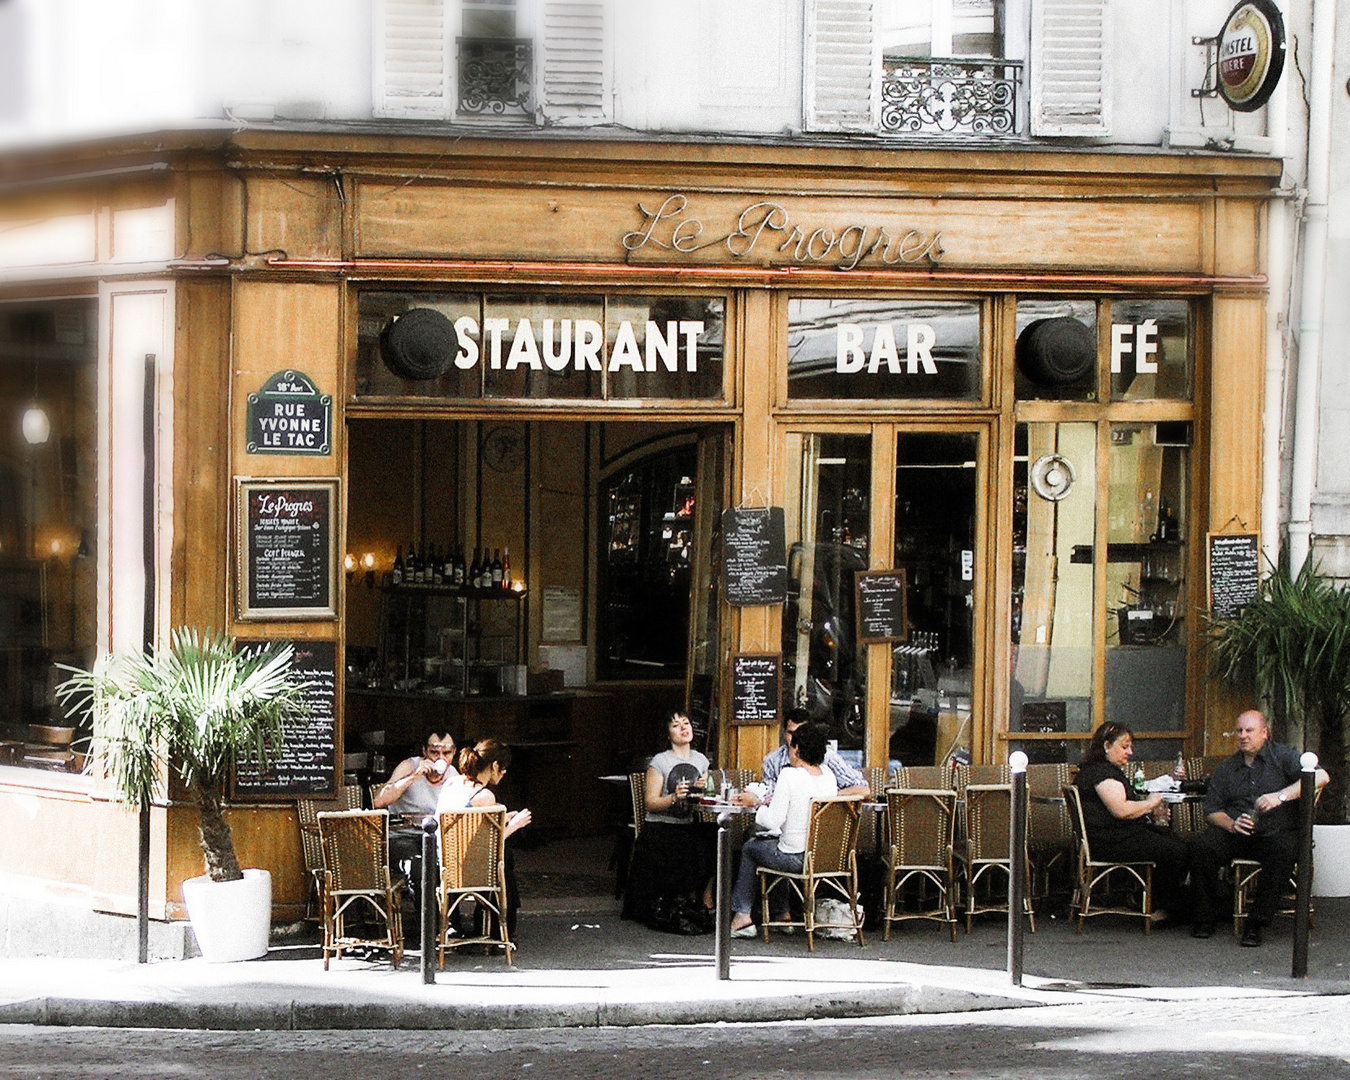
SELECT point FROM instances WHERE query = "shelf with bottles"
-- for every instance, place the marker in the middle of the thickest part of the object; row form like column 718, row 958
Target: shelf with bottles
column 489, row 570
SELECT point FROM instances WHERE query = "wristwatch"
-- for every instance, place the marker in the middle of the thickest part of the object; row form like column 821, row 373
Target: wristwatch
column 1283, row 797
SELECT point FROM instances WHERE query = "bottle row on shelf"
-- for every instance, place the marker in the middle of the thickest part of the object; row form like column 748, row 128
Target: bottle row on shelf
column 489, row 570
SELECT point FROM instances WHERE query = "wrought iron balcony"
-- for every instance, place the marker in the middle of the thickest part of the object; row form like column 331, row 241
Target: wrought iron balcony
column 949, row 97
column 495, row 77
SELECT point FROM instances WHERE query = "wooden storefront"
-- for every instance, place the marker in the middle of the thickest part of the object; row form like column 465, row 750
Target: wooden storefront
column 838, row 280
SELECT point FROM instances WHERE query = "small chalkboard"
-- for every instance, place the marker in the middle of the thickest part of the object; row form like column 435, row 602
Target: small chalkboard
column 287, row 566
column 755, row 688
column 881, row 606
column 1234, row 572
column 306, row 762
column 755, row 547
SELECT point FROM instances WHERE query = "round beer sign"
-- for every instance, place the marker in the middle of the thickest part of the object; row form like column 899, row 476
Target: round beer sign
column 1251, row 54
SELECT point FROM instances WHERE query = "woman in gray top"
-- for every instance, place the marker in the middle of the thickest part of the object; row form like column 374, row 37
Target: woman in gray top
column 672, row 864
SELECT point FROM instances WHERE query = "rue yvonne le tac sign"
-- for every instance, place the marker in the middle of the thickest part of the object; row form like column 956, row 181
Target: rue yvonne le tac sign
column 289, row 416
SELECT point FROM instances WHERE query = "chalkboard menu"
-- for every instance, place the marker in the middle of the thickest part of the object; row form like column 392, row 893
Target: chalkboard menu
column 756, row 680
column 287, row 567
column 881, row 606
column 755, row 546
column 306, row 762
column 1234, row 572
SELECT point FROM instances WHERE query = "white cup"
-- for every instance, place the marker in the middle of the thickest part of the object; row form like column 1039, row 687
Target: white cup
column 439, row 765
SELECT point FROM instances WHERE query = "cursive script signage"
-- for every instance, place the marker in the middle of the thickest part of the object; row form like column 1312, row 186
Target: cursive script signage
column 765, row 229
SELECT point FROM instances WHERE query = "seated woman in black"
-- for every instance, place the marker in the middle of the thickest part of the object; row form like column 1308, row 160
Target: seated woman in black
column 1123, row 826
column 669, row 881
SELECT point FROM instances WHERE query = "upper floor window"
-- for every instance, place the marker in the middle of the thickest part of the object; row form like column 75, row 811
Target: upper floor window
column 941, row 28
column 530, row 61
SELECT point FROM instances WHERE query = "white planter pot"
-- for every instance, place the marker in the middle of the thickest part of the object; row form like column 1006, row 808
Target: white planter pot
column 1331, row 860
column 232, row 919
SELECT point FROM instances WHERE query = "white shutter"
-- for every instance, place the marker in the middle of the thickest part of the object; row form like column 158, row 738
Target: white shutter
column 412, row 65
column 841, row 64
column 574, row 86
column 1070, row 67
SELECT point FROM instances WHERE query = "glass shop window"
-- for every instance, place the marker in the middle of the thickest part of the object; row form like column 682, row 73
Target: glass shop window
column 884, row 349
column 535, row 346
column 1151, row 350
column 48, row 523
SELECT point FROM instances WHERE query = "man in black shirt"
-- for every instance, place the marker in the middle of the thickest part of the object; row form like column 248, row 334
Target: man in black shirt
column 1251, row 816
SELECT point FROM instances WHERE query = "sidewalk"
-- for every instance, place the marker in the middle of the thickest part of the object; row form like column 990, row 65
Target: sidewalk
column 586, row 968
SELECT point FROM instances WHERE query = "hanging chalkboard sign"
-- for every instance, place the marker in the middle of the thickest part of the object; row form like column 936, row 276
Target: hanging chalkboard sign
column 306, row 762
column 1234, row 572
column 755, row 555
column 287, row 568
column 756, row 680
column 881, row 606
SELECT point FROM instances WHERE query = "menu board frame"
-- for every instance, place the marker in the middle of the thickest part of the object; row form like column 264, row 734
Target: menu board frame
column 774, row 699
column 246, row 529
column 1251, row 541
column 900, row 633
column 754, row 537
column 268, row 788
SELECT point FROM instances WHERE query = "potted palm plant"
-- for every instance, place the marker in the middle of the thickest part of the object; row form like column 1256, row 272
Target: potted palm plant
column 194, row 707
column 1291, row 645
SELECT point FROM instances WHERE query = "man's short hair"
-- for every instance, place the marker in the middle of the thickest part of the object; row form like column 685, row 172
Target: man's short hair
column 810, row 741
column 796, row 716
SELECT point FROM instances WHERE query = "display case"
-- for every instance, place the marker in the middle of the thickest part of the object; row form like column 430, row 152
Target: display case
column 451, row 640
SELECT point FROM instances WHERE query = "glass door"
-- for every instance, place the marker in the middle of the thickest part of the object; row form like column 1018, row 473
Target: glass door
column 932, row 672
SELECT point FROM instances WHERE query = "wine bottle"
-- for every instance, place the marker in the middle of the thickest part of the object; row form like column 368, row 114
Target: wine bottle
column 476, row 571
column 396, row 575
column 437, row 567
column 460, row 572
column 506, row 568
column 496, row 582
column 448, row 566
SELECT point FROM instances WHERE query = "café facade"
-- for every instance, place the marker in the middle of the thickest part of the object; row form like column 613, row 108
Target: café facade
column 541, row 437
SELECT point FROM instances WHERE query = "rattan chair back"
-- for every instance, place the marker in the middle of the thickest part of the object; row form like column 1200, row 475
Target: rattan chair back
column 923, row 826
column 988, row 816
column 637, row 791
column 832, row 838
column 929, row 777
column 355, row 849
column 473, row 868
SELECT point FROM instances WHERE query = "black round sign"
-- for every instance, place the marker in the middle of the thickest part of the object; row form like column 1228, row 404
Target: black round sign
column 420, row 344
column 1251, row 54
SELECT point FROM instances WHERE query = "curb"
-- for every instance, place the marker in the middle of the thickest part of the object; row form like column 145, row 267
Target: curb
column 297, row 1015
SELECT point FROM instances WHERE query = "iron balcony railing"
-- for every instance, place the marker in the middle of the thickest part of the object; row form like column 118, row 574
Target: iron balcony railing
column 950, row 97
column 496, row 77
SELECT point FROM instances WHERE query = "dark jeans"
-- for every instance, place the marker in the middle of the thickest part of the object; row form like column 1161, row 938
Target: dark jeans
column 760, row 851
column 1214, row 849
column 1170, row 854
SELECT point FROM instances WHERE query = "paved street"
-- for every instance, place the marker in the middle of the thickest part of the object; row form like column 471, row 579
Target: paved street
column 1242, row 1035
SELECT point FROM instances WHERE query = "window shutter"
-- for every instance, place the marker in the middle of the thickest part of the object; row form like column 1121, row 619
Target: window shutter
column 574, row 72
column 412, row 67
column 1070, row 67
column 841, row 66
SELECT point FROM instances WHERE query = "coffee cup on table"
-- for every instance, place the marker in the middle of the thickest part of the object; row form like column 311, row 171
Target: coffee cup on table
column 438, row 766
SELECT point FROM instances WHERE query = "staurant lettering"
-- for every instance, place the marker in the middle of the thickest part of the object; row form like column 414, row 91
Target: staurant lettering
column 850, row 357
column 578, row 343
column 765, row 225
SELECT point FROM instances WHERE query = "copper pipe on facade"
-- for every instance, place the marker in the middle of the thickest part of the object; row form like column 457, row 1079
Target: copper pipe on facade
column 770, row 276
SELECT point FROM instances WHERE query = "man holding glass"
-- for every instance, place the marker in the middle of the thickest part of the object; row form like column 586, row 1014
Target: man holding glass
column 1251, row 813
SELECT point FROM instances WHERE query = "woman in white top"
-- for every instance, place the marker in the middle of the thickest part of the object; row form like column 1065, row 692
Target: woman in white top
column 673, row 855
column 789, row 814
column 482, row 767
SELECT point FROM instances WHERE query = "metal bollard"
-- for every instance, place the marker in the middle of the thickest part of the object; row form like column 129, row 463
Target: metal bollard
column 428, row 906
column 1307, row 799
column 722, row 944
column 1017, row 863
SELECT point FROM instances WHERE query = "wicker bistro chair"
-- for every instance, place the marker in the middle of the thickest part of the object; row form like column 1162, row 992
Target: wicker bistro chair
column 928, row 777
column 1245, row 873
column 831, row 861
column 922, row 838
column 473, row 867
column 1049, row 831
column 307, row 810
column 985, row 852
column 1092, row 876
column 356, row 882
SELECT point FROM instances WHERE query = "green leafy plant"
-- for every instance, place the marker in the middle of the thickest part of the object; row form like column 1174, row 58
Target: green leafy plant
column 194, row 706
column 1292, row 647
